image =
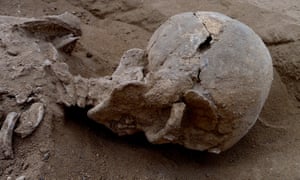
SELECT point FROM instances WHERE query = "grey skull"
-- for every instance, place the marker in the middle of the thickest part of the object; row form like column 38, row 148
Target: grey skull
column 201, row 82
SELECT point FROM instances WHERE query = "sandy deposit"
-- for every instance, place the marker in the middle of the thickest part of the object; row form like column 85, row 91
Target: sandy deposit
column 75, row 147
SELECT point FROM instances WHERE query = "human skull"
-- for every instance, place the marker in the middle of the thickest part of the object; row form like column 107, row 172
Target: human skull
column 201, row 83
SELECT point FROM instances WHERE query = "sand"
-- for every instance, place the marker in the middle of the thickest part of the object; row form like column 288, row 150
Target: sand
column 74, row 147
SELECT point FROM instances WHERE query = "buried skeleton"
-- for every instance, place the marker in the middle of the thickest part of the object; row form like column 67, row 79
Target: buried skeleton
column 201, row 82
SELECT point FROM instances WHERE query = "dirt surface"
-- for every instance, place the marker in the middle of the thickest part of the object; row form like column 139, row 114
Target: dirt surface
column 75, row 147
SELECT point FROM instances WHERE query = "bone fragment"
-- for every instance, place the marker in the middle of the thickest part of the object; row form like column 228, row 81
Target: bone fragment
column 21, row 178
column 65, row 43
column 24, row 95
column 173, row 124
column 66, row 90
column 6, row 132
column 30, row 119
column 81, row 85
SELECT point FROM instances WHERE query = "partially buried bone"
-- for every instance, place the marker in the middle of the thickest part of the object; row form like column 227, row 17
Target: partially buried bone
column 62, row 30
column 201, row 82
column 27, row 45
column 6, row 133
column 53, row 26
column 65, row 43
column 30, row 119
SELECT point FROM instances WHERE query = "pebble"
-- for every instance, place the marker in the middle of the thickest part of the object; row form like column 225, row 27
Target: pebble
column 46, row 156
column 43, row 150
column 9, row 170
column 25, row 166
column 12, row 52
column 21, row 178
column 2, row 45
column 89, row 55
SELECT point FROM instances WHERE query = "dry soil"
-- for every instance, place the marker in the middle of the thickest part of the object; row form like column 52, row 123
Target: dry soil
column 75, row 147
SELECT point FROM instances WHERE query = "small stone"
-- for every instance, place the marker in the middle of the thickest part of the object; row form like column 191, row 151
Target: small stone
column 43, row 150
column 21, row 178
column 25, row 166
column 2, row 45
column 12, row 52
column 3, row 91
column 46, row 156
column 89, row 55
column 47, row 62
column 9, row 178
column 9, row 170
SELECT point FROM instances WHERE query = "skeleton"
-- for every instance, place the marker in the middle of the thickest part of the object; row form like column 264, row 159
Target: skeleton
column 201, row 82
column 27, row 45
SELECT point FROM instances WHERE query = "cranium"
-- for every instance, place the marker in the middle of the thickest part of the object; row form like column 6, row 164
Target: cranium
column 201, row 82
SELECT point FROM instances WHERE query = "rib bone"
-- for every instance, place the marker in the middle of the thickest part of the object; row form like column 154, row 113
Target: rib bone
column 6, row 133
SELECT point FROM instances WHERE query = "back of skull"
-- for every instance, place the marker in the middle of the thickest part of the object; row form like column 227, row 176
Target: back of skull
column 219, row 68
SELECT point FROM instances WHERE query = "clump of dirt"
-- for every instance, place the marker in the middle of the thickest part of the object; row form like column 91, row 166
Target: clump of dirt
column 67, row 145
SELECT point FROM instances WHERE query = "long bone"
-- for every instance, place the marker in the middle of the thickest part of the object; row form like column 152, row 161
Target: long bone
column 6, row 133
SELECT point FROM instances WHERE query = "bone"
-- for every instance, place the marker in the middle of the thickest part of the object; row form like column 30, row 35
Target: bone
column 168, row 133
column 66, row 89
column 188, row 88
column 65, row 43
column 53, row 26
column 131, row 66
column 6, row 133
column 30, row 120
column 68, row 21
column 24, row 94
column 21, row 178
column 81, row 85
